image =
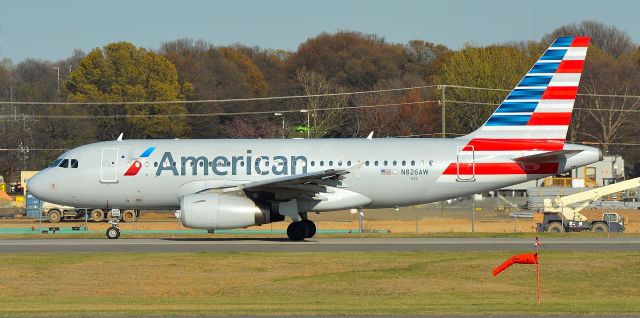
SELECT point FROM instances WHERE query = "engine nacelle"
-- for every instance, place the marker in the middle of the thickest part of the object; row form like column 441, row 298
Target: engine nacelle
column 219, row 211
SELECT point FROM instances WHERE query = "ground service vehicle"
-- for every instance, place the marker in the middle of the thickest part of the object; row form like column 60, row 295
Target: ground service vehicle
column 559, row 216
column 56, row 213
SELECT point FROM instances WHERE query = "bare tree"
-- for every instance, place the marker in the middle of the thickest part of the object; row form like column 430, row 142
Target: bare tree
column 323, row 122
column 250, row 127
column 608, row 115
column 607, row 37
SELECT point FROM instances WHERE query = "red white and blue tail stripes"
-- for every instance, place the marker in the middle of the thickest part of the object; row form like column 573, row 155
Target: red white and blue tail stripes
column 533, row 118
column 539, row 108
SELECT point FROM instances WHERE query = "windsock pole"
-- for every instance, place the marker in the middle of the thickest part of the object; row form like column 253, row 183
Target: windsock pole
column 531, row 258
column 538, row 244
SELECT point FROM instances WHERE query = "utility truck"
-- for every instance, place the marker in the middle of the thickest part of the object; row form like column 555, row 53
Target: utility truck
column 56, row 213
column 563, row 213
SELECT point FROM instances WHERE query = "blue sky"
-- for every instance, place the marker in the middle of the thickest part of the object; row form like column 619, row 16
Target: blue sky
column 53, row 29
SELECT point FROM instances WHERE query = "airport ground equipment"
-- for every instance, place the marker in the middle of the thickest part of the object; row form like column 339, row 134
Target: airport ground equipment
column 563, row 213
column 56, row 213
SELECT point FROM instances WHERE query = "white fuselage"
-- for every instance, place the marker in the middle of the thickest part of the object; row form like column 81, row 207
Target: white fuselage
column 390, row 172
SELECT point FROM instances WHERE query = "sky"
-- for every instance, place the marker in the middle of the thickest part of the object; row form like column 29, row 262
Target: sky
column 51, row 30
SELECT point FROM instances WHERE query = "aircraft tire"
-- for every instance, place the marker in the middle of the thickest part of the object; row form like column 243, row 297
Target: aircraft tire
column 311, row 228
column 297, row 231
column 113, row 233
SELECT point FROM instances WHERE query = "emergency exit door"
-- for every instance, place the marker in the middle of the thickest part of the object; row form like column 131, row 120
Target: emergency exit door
column 109, row 165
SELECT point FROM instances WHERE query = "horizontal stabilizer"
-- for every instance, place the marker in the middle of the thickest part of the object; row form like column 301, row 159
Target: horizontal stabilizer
column 551, row 156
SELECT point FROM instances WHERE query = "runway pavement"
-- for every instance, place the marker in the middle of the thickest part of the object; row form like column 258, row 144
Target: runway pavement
column 315, row 245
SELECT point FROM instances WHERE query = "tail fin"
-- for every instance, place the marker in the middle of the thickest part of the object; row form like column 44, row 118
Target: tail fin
column 536, row 114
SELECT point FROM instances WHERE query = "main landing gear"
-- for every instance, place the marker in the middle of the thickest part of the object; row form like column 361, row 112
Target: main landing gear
column 301, row 227
column 300, row 230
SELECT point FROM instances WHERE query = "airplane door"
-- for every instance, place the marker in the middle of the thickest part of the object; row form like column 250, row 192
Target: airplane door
column 109, row 165
column 466, row 165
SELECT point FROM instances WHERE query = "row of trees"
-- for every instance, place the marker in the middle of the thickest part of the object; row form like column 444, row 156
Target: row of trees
column 190, row 70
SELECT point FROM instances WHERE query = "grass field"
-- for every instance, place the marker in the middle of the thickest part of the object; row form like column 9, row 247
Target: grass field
column 84, row 284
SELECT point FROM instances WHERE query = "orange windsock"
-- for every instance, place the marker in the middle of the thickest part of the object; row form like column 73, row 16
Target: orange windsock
column 517, row 259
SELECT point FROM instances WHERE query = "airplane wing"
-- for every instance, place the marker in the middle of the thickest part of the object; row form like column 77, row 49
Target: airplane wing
column 300, row 185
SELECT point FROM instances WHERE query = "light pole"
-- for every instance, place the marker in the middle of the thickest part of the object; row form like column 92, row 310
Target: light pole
column 57, row 68
column 283, row 119
column 308, row 123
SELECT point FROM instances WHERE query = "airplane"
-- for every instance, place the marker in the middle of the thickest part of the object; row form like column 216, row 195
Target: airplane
column 236, row 183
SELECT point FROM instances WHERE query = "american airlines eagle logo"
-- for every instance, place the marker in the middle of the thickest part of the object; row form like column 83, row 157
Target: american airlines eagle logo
column 138, row 162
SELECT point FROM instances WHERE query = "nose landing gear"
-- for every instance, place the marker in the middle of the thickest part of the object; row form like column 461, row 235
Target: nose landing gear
column 113, row 232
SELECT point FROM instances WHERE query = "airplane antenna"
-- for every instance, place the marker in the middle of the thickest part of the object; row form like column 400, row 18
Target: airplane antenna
column 370, row 135
column 120, row 137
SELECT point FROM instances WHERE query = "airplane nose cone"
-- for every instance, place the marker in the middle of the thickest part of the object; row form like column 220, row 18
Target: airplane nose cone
column 37, row 185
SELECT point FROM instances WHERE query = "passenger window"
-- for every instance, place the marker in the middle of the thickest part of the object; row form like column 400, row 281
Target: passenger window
column 64, row 163
column 349, row 163
column 340, row 163
column 395, row 163
column 413, row 163
column 366, row 163
column 375, row 163
column 330, row 163
column 321, row 163
column 313, row 163
column 74, row 163
column 386, row 163
column 155, row 164
column 404, row 163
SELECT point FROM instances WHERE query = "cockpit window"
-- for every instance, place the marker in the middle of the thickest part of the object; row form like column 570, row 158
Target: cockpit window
column 74, row 163
column 64, row 163
column 55, row 163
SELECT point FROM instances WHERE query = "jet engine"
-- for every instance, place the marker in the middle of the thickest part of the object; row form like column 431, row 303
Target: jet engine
column 219, row 211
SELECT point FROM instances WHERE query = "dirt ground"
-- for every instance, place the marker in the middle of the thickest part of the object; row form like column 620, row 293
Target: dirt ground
column 403, row 221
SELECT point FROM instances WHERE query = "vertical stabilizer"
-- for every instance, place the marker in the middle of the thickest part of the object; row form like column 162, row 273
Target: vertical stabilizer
column 537, row 112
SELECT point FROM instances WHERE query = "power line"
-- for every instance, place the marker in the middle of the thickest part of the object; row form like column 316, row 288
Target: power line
column 229, row 100
column 11, row 117
column 7, row 117
column 575, row 108
column 402, row 136
column 34, row 149
column 270, row 98
column 608, row 143
column 509, row 90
